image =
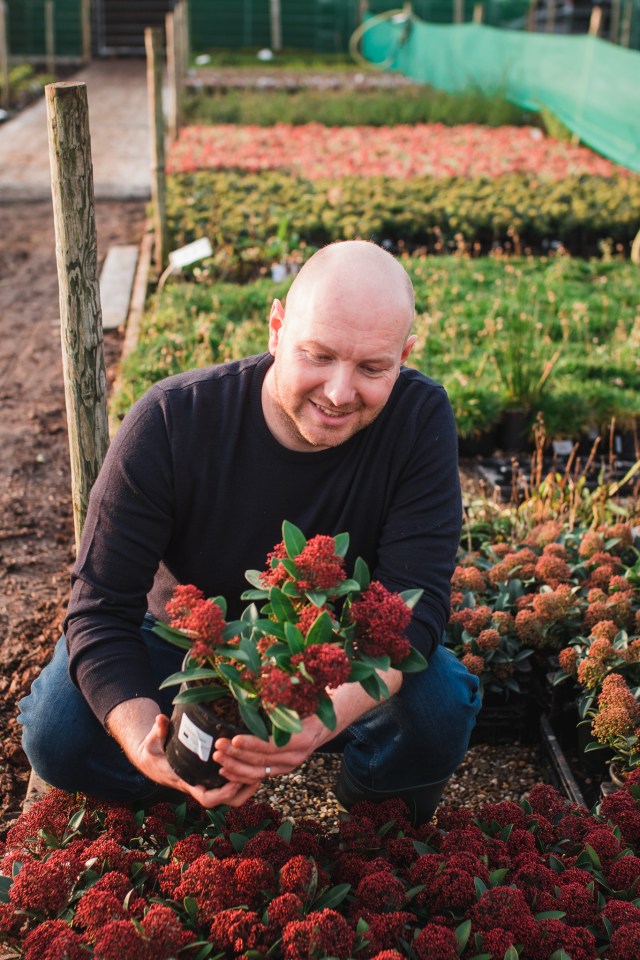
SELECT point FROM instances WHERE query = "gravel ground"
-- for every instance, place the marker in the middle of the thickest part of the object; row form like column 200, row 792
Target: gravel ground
column 487, row 774
column 234, row 78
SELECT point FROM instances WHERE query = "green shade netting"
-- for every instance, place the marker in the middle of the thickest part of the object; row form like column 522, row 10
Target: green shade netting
column 591, row 86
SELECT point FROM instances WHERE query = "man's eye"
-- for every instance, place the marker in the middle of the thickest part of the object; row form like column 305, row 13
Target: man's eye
column 318, row 357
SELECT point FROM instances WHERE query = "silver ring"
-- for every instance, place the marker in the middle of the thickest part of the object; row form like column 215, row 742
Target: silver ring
column 267, row 771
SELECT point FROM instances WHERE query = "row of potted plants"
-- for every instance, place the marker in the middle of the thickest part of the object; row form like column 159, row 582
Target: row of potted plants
column 544, row 879
column 241, row 213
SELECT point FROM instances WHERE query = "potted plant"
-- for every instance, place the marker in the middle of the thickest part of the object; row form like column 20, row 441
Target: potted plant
column 315, row 630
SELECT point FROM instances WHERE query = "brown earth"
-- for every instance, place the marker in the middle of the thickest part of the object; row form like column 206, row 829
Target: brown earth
column 36, row 527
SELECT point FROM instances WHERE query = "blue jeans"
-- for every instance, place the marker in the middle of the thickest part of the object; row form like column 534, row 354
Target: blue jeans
column 418, row 737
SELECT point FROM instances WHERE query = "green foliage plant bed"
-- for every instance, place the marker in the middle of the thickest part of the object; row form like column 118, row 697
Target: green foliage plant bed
column 241, row 213
column 544, row 879
column 349, row 106
column 488, row 328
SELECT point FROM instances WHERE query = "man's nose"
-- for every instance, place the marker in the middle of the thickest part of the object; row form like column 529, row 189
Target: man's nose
column 339, row 388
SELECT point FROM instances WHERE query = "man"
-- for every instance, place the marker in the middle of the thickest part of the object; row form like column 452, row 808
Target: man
column 327, row 430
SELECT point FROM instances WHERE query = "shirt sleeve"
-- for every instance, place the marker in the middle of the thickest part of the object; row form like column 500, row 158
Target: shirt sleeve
column 422, row 526
column 129, row 523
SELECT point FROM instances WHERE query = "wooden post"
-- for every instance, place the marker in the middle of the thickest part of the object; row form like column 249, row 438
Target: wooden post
column 478, row 12
column 625, row 28
column 276, row 25
column 153, row 46
column 531, row 16
column 551, row 16
column 614, row 22
column 179, row 59
column 186, row 36
column 86, row 30
column 50, row 36
column 458, row 11
column 172, row 77
column 363, row 8
column 4, row 57
column 85, row 381
column 595, row 21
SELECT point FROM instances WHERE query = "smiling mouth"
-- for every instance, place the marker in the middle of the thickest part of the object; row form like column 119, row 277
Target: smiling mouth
column 329, row 412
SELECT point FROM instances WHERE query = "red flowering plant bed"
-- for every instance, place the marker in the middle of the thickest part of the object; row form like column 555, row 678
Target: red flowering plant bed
column 316, row 151
column 544, row 879
column 316, row 630
column 545, row 602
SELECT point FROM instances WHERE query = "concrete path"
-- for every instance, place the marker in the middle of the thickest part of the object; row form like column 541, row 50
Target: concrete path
column 120, row 142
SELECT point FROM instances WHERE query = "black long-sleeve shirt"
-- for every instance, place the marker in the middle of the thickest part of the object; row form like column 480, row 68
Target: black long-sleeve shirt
column 194, row 489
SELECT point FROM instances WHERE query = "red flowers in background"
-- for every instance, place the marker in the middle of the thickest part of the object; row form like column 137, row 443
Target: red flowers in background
column 315, row 151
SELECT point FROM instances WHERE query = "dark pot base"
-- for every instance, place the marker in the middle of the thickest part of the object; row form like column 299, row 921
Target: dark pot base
column 193, row 731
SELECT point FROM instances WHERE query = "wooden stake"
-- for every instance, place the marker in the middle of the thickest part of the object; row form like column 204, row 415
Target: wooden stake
column 4, row 57
column 531, row 16
column 50, row 36
column 614, row 23
column 458, row 11
column 625, row 29
column 363, row 8
column 186, row 36
column 80, row 314
column 478, row 13
column 86, row 30
column 551, row 16
column 179, row 60
column 595, row 22
column 172, row 79
column 153, row 47
column 276, row 25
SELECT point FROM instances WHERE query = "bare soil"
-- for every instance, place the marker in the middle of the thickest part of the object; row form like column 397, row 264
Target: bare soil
column 36, row 526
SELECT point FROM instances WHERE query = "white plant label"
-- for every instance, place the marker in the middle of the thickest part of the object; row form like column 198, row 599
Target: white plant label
column 193, row 252
column 194, row 738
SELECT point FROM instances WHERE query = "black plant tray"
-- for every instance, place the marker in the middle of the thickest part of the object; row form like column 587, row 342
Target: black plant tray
column 501, row 473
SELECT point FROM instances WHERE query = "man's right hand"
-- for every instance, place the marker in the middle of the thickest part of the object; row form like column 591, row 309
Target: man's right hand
column 141, row 731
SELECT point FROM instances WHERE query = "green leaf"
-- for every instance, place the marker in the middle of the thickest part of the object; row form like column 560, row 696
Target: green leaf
column 254, row 594
column 283, row 718
column 294, row 638
column 285, row 830
column 186, row 676
column 411, row 597
column 317, row 598
column 342, row 544
column 361, row 573
column 497, row 876
column 332, row 897
column 413, row 891
column 253, row 577
column 550, row 915
column 462, row 933
column 5, row 885
column 253, row 721
column 480, row 887
column 201, row 694
column 321, row 629
column 326, row 713
column 280, row 737
column 270, row 628
column 511, row 953
column 422, row 848
column 375, row 687
column 282, row 607
column 362, row 927
column 76, row 819
column 560, row 955
column 360, row 671
column 347, row 586
column 294, row 539
column 205, row 951
column 414, row 662
column 238, row 841
column 593, row 856
column 176, row 637
column 191, row 908
column 594, row 745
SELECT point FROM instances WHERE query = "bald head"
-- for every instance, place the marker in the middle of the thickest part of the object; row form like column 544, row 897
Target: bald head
column 360, row 279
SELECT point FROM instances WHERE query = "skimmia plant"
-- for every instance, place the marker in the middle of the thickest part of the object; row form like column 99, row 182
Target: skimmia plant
column 308, row 629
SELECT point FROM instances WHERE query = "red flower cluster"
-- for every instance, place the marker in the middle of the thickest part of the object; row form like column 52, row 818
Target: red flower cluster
column 322, row 933
column 381, row 617
column 202, row 619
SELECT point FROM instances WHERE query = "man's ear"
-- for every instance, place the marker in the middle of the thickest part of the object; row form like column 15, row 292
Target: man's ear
column 408, row 347
column 276, row 319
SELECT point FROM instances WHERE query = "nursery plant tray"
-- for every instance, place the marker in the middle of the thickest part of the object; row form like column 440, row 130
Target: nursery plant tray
column 502, row 474
column 561, row 771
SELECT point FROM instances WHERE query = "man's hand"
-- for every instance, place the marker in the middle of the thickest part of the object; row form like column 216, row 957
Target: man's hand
column 141, row 731
column 245, row 758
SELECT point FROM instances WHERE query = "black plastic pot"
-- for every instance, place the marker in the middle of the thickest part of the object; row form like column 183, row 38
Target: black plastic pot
column 193, row 731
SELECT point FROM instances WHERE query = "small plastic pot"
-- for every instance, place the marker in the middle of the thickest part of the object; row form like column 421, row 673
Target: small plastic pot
column 193, row 731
